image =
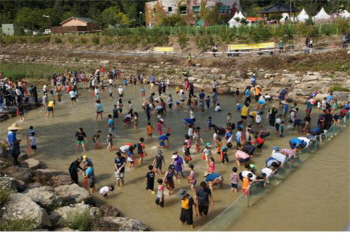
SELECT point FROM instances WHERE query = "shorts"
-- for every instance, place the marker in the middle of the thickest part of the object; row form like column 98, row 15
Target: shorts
column 243, row 160
column 50, row 109
column 244, row 117
column 119, row 175
column 194, row 182
column 72, row 98
column 99, row 112
column 158, row 165
column 33, row 147
column 162, row 143
column 91, row 182
column 203, row 208
column 186, row 216
column 235, row 186
column 80, row 142
column 150, row 187
column 170, row 185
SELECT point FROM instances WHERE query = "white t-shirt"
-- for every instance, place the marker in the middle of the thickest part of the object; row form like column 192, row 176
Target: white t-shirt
column 207, row 152
column 120, row 90
column 280, row 157
column 124, row 148
column 258, row 118
column 217, row 109
column 190, row 132
column 245, row 174
column 104, row 190
column 267, row 171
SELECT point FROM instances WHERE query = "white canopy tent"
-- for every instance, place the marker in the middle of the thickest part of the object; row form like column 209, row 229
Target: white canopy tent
column 303, row 16
column 345, row 14
column 285, row 17
column 322, row 15
column 233, row 22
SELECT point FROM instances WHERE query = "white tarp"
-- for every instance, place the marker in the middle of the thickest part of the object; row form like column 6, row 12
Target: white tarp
column 345, row 14
column 284, row 17
column 233, row 23
column 303, row 16
column 322, row 15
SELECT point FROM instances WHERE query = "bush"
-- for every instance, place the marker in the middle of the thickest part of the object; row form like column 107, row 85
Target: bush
column 182, row 39
column 10, row 39
column 5, row 196
column 80, row 220
column 259, row 33
column 17, row 225
column 107, row 40
column 71, row 39
column 338, row 87
column 40, row 39
column 95, row 39
column 82, row 40
column 204, row 42
column 22, row 39
column 58, row 40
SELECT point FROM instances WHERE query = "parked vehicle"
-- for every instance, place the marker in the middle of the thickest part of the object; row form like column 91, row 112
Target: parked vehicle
column 36, row 33
column 47, row 32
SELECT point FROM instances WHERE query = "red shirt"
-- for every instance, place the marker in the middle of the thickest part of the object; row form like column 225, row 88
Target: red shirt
column 260, row 140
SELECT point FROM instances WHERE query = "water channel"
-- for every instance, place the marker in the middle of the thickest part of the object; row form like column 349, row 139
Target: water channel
column 56, row 147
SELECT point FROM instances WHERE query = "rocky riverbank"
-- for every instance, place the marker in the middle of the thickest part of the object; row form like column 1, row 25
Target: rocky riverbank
column 34, row 197
column 231, row 73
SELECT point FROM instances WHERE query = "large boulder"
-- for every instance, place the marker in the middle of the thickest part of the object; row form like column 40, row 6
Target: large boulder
column 70, row 194
column 11, row 183
column 60, row 216
column 19, row 173
column 109, row 211
column 22, row 207
column 44, row 196
column 120, row 224
column 52, row 177
column 33, row 164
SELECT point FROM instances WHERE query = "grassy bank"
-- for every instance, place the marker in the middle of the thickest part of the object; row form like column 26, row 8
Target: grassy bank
column 33, row 71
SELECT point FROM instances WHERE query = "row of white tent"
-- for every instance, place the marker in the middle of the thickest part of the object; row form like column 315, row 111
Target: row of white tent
column 302, row 17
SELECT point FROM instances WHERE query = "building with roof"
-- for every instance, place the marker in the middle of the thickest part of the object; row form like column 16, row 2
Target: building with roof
column 8, row 29
column 76, row 25
column 279, row 8
column 154, row 9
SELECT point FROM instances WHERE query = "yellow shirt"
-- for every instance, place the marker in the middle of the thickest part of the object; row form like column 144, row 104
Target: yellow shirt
column 245, row 111
column 51, row 104
column 257, row 91
column 253, row 114
column 245, row 183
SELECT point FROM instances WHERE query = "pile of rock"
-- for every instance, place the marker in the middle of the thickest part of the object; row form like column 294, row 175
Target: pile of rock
column 47, row 197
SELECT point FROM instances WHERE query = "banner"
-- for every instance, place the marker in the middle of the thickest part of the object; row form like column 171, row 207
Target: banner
column 269, row 45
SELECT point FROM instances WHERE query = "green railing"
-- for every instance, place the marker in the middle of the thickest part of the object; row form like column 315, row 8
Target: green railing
column 259, row 189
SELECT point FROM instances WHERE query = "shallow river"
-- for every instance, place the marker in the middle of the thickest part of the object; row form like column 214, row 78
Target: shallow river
column 56, row 147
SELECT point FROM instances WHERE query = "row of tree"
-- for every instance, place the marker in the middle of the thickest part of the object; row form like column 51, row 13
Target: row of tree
column 39, row 14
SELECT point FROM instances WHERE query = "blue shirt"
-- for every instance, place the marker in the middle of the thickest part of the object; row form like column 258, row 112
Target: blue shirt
column 238, row 136
column 247, row 93
column 110, row 122
column 153, row 79
column 201, row 95
column 215, row 96
column 298, row 143
column 163, row 137
column 11, row 137
column 228, row 135
column 212, row 177
column 188, row 121
column 99, row 107
column 89, row 171
column 207, row 101
column 329, row 98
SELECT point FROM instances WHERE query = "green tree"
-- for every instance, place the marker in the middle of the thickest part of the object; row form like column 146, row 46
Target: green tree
column 113, row 16
column 29, row 18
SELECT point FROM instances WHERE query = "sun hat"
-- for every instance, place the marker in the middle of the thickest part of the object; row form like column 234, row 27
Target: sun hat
column 276, row 148
column 174, row 156
column 85, row 157
column 206, row 174
column 207, row 144
column 14, row 127
column 182, row 193
column 159, row 151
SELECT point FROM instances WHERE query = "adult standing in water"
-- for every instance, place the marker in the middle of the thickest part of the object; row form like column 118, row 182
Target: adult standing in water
column 202, row 198
column 187, row 204
column 73, row 169
column 272, row 115
column 120, row 163
column 80, row 137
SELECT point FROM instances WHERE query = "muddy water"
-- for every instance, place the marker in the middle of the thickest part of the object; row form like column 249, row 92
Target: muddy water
column 315, row 197
column 56, row 147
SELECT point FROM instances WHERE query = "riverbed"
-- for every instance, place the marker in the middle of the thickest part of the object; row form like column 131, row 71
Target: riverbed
column 56, row 147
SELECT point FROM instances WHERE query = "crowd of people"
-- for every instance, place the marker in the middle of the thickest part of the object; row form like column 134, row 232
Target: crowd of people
column 238, row 137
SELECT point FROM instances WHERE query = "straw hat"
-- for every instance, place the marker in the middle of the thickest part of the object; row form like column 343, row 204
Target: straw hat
column 182, row 193
column 206, row 174
column 14, row 127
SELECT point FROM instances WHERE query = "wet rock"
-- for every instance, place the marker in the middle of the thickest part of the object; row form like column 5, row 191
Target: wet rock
column 214, row 70
column 73, row 193
column 44, row 196
column 52, row 177
column 59, row 216
column 11, row 183
column 20, row 173
column 109, row 211
column 120, row 224
column 22, row 207
column 32, row 163
column 22, row 157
